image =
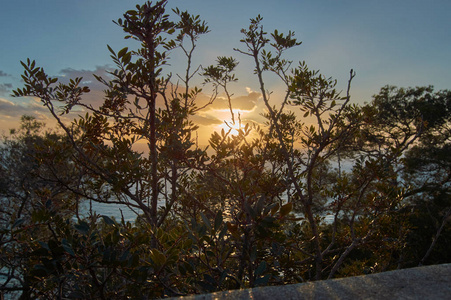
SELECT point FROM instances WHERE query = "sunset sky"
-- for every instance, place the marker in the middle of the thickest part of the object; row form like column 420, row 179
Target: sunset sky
column 396, row 42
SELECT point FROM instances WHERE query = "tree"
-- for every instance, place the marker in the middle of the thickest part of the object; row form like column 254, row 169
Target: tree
column 36, row 166
column 37, row 171
column 323, row 189
column 130, row 113
column 427, row 170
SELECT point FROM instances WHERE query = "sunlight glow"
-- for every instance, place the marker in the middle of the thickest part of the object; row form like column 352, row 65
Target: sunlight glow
column 232, row 125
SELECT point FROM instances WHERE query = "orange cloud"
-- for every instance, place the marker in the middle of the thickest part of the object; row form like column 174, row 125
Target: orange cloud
column 244, row 102
column 28, row 105
column 205, row 120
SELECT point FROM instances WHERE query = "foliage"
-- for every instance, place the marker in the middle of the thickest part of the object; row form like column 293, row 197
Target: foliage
column 325, row 188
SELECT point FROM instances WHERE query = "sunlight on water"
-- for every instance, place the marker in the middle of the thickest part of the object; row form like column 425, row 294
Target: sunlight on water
column 111, row 210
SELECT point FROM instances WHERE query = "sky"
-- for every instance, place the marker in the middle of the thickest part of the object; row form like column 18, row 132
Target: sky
column 397, row 42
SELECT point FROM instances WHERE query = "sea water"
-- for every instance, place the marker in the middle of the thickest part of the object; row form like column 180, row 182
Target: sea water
column 112, row 210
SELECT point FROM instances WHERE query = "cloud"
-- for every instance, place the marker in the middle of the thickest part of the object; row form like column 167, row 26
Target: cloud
column 96, row 96
column 205, row 120
column 5, row 88
column 86, row 74
column 244, row 102
column 248, row 102
column 212, row 115
column 3, row 74
column 28, row 106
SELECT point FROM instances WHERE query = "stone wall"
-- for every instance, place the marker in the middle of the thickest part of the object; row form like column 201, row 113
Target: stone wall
column 428, row 282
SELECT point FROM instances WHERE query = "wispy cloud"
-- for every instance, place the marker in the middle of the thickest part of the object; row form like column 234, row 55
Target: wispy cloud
column 247, row 102
column 29, row 106
column 205, row 120
column 96, row 96
column 5, row 88
column 243, row 102
column 12, row 109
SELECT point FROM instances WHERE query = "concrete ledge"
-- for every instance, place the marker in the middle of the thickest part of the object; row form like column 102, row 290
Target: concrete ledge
column 428, row 282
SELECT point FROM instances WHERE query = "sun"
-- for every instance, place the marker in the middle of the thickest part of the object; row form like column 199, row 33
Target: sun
column 231, row 122
column 230, row 127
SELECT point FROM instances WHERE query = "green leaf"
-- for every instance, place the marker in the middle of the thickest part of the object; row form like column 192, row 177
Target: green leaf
column 67, row 247
column 82, row 227
column 286, row 209
column 39, row 271
column 248, row 208
column 332, row 104
column 260, row 204
column 44, row 245
column 206, row 220
column 218, row 220
column 127, row 58
column 76, row 295
column 209, row 279
column 131, row 12
column 23, row 65
column 157, row 257
column 274, row 209
column 262, row 281
column 40, row 252
column 17, row 223
column 122, row 52
column 111, row 50
column 108, row 220
column 261, row 268
column 233, row 229
column 48, row 204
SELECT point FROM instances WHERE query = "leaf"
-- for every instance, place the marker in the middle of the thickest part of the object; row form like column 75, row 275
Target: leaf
column 82, row 227
column 111, row 50
column 218, row 220
column 158, row 257
column 23, row 65
column 108, row 220
column 122, row 52
column 39, row 271
column 274, row 209
column 286, row 209
column 67, row 247
column 48, row 204
column 40, row 252
column 332, row 104
column 260, row 269
column 55, row 248
column 206, row 221
column 233, row 228
column 76, row 295
column 209, row 279
column 187, row 244
column 262, row 281
column 260, row 204
column 44, row 245
column 248, row 208
column 127, row 58
column 18, row 222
